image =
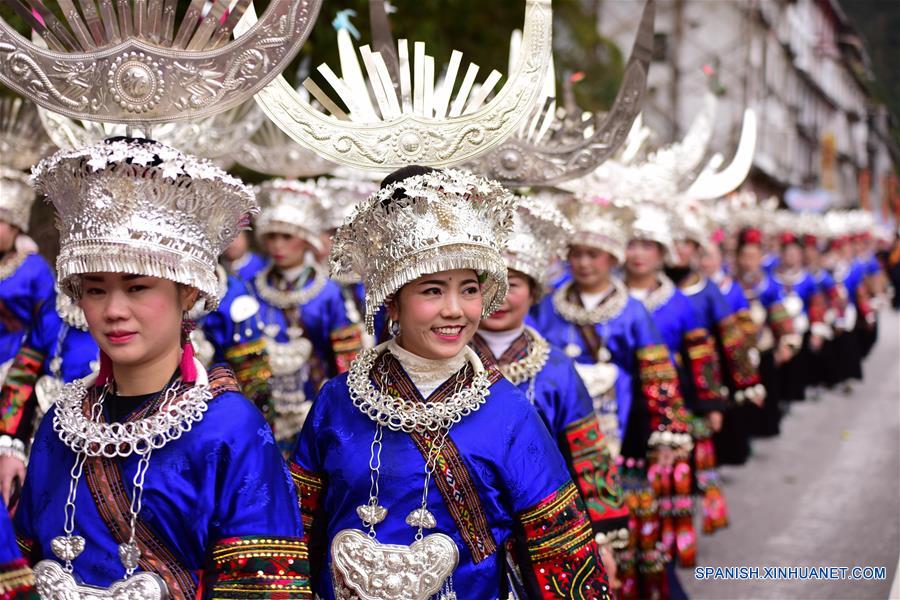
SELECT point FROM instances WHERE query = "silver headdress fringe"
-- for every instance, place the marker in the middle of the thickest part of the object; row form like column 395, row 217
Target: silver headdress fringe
column 539, row 238
column 135, row 206
column 445, row 220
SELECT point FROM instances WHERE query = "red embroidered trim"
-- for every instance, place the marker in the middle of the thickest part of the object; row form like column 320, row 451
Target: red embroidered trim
column 17, row 391
column 16, row 580
column 246, row 568
column 347, row 342
column 781, row 322
column 704, row 364
column 659, row 383
column 251, row 368
column 309, row 491
column 736, row 349
column 595, row 474
column 562, row 554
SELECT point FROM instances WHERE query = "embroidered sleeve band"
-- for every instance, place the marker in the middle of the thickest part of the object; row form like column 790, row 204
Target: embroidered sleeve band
column 705, row 371
column 17, row 390
column 251, row 368
column 596, row 475
column 260, row 567
column 562, row 554
column 659, row 384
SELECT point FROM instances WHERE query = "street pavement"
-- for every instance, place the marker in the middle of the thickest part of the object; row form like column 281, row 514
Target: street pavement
column 825, row 493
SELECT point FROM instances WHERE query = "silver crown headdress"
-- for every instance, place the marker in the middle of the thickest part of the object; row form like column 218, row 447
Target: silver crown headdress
column 539, row 238
column 422, row 124
column 554, row 145
column 126, row 62
column 136, row 206
column 339, row 196
column 290, row 207
column 22, row 144
column 599, row 223
column 653, row 223
column 437, row 221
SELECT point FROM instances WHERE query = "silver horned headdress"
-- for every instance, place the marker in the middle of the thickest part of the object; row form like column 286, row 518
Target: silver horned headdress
column 554, row 145
column 129, row 61
column 409, row 119
column 290, row 207
column 539, row 238
column 139, row 207
column 437, row 221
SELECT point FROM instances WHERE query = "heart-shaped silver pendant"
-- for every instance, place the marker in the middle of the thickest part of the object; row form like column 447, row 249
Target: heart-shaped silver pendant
column 363, row 568
column 67, row 547
column 53, row 583
column 371, row 515
column 130, row 555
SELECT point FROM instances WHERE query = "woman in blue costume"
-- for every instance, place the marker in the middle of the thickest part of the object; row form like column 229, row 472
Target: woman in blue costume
column 309, row 337
column 805, row 303
column 460, row 495
column 69, row 352
column 773, row 327
column 233, row 334
column 134, row 482
column 844, row 277
column 629, row 373
column 26, row 299
column 694, row 351
column 548, row 377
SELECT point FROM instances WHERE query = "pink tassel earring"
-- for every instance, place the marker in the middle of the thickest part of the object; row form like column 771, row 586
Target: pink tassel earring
column 188, row 368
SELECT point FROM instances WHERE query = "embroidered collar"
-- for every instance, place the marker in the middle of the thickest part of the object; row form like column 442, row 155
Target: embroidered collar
column 568, row 305
column 11, row 263
column 692, row 289
column 659, row 296
column 523, row 359
column 426, row 374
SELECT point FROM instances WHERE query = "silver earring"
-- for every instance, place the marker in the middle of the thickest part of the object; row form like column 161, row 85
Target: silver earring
column 394, row 328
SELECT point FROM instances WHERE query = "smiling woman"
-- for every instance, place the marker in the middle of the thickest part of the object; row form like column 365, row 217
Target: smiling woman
column 423, row 466
column 148, row 440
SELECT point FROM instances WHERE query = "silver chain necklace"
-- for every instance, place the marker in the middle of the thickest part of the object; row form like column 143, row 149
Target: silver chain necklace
column 289, row 298
column 425, row 567
column 579, row 315
column 401, row 414
column 88, row 437
column 659, row 296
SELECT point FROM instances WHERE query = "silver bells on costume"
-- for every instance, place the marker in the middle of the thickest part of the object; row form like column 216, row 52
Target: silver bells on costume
column 290, row 207
column 539, row 238
column 16, row 198
column 428, row 223
column 137, row 206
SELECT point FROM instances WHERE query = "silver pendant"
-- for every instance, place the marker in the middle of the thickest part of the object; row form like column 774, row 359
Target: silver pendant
column 603, row 355
column 421, row 517
column 55, row 365
column 363, row 568
column 271, row 330
column 573, row 350
column 47, row 390
column 129, row 554
column 54, row 583
column 294, row 332
column 371, row 515
column 67, row 547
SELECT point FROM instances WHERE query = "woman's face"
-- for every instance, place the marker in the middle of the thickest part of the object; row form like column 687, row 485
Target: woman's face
column 515, row 307
column 237, row 248
column 749, row 259
column 286, row 251
column 8, row 235
column 590, row 266
column 133, row 318
column 642, row 258
column 711, row 261
column 438, row 313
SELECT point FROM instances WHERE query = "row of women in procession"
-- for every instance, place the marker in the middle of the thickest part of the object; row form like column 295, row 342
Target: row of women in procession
column 463, row 343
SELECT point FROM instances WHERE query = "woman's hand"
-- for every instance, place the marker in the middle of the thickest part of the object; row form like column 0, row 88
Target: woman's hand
column 11, row 468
